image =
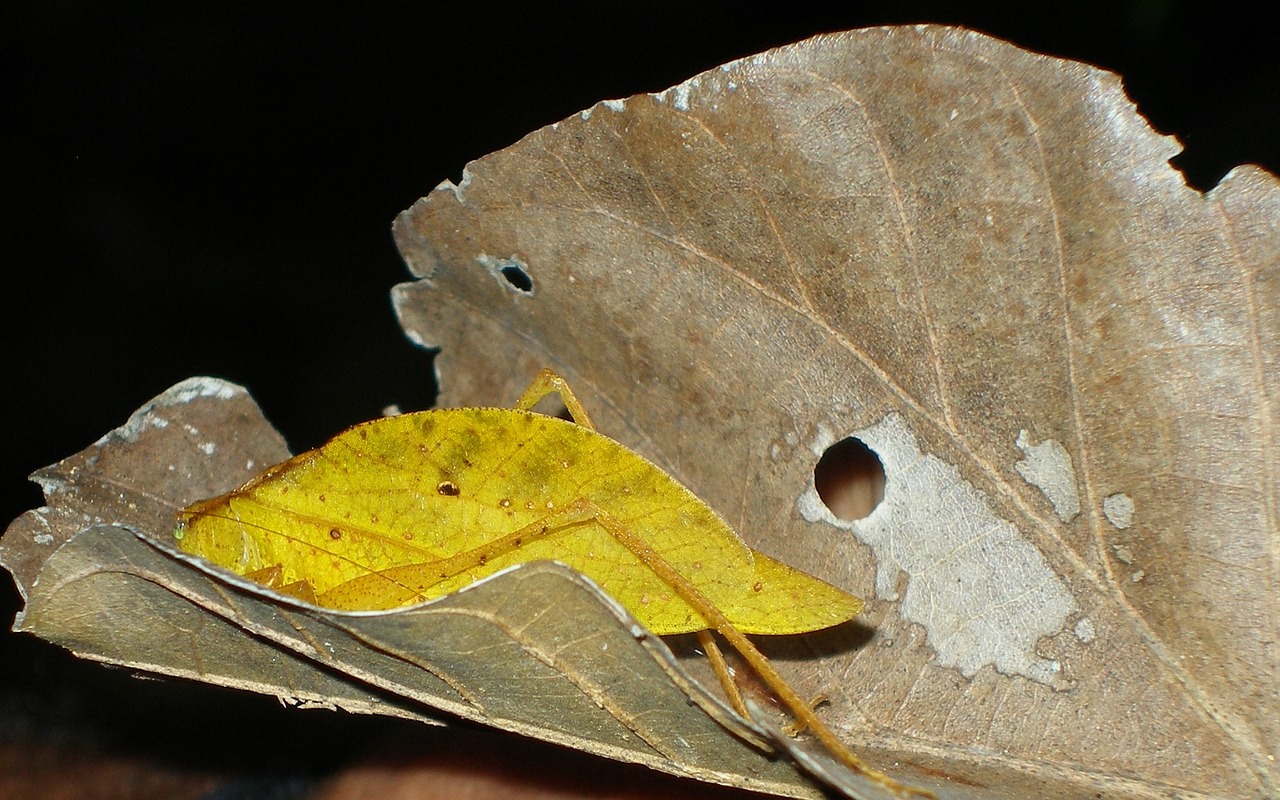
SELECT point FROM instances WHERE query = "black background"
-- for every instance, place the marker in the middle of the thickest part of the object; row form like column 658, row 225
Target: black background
column 209, row 190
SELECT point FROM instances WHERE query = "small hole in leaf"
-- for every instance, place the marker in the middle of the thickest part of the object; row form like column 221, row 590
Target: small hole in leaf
column 448, row 489
column 850, row 479
column 510, row 272
column 518, row 278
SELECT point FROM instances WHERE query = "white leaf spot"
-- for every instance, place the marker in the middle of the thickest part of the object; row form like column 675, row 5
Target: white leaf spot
column 1118, row 509
column 1084, row 630
column 1048, row 467
column 982, row 592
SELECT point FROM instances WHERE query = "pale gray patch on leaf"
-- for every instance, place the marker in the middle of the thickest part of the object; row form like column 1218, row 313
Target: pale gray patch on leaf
column 1118, row 509
column 1084, row 630
column 459, row 189
column 1124, row 554
column 1048, row 467
column 982, row 592
column 679, row 94
column 151, row 415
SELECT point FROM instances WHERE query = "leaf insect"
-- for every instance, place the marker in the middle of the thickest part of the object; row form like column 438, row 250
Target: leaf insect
column 404, row 509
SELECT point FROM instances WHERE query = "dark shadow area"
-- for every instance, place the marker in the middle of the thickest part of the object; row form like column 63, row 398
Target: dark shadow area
column 467, row 761
column 79, row 717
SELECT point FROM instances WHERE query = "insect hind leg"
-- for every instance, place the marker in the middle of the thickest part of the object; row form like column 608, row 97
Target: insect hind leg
column 715, row 619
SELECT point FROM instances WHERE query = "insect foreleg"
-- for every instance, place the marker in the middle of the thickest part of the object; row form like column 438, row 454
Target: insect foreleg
column 549, row 382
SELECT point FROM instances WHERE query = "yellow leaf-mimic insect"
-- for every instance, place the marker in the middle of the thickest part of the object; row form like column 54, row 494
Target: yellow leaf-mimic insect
column 405, row 509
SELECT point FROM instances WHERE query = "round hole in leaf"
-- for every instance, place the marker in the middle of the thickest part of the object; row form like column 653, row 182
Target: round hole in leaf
column 850, row 479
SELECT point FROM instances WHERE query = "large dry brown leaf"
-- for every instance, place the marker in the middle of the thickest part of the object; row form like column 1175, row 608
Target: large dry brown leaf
column 538, row 650
column 977, row 260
